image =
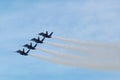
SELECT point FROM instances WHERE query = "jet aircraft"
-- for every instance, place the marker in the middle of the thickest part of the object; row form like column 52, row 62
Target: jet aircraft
column 46, row 35
column 38, row 40
column 30, row 46
column 22, row 52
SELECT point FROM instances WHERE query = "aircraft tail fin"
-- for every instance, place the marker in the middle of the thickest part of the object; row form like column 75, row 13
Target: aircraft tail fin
column 43, row 39
column 46, row 32
column 28, row 51
column 30, row 44
column 51, row 34
column 38, row 38
column 35, row 45
column 23, row 50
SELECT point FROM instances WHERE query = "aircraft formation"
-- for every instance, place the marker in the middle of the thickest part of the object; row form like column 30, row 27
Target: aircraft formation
column 36, row 40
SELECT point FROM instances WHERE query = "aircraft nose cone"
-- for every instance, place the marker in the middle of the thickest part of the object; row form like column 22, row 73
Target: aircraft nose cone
column 40, row 34
column 24, row 45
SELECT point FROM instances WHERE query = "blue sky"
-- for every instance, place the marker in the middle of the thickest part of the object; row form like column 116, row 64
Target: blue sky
column 21, row 20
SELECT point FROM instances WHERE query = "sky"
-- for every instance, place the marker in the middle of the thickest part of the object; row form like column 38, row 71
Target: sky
column 86, row 20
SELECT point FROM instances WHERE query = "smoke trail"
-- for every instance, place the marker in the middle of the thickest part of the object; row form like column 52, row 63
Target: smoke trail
column 74, row 57
column 61, row 55
column 84, row 64
column 91, row 44
column 63, row 46
column 80, row 49
column 53, row 60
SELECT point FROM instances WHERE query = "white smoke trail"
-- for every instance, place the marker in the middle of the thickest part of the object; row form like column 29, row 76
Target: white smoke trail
column 74, row 57
column 84, row 64
column 84, row 50
column 61, row 55
column 78, row 57
column 56, row 60
column 53, row 60
column 91, row 44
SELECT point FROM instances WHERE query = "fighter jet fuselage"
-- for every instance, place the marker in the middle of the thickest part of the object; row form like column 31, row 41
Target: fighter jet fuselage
column 46, row 35
column 38, row 40
column 22, row 52
column 30, row 46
